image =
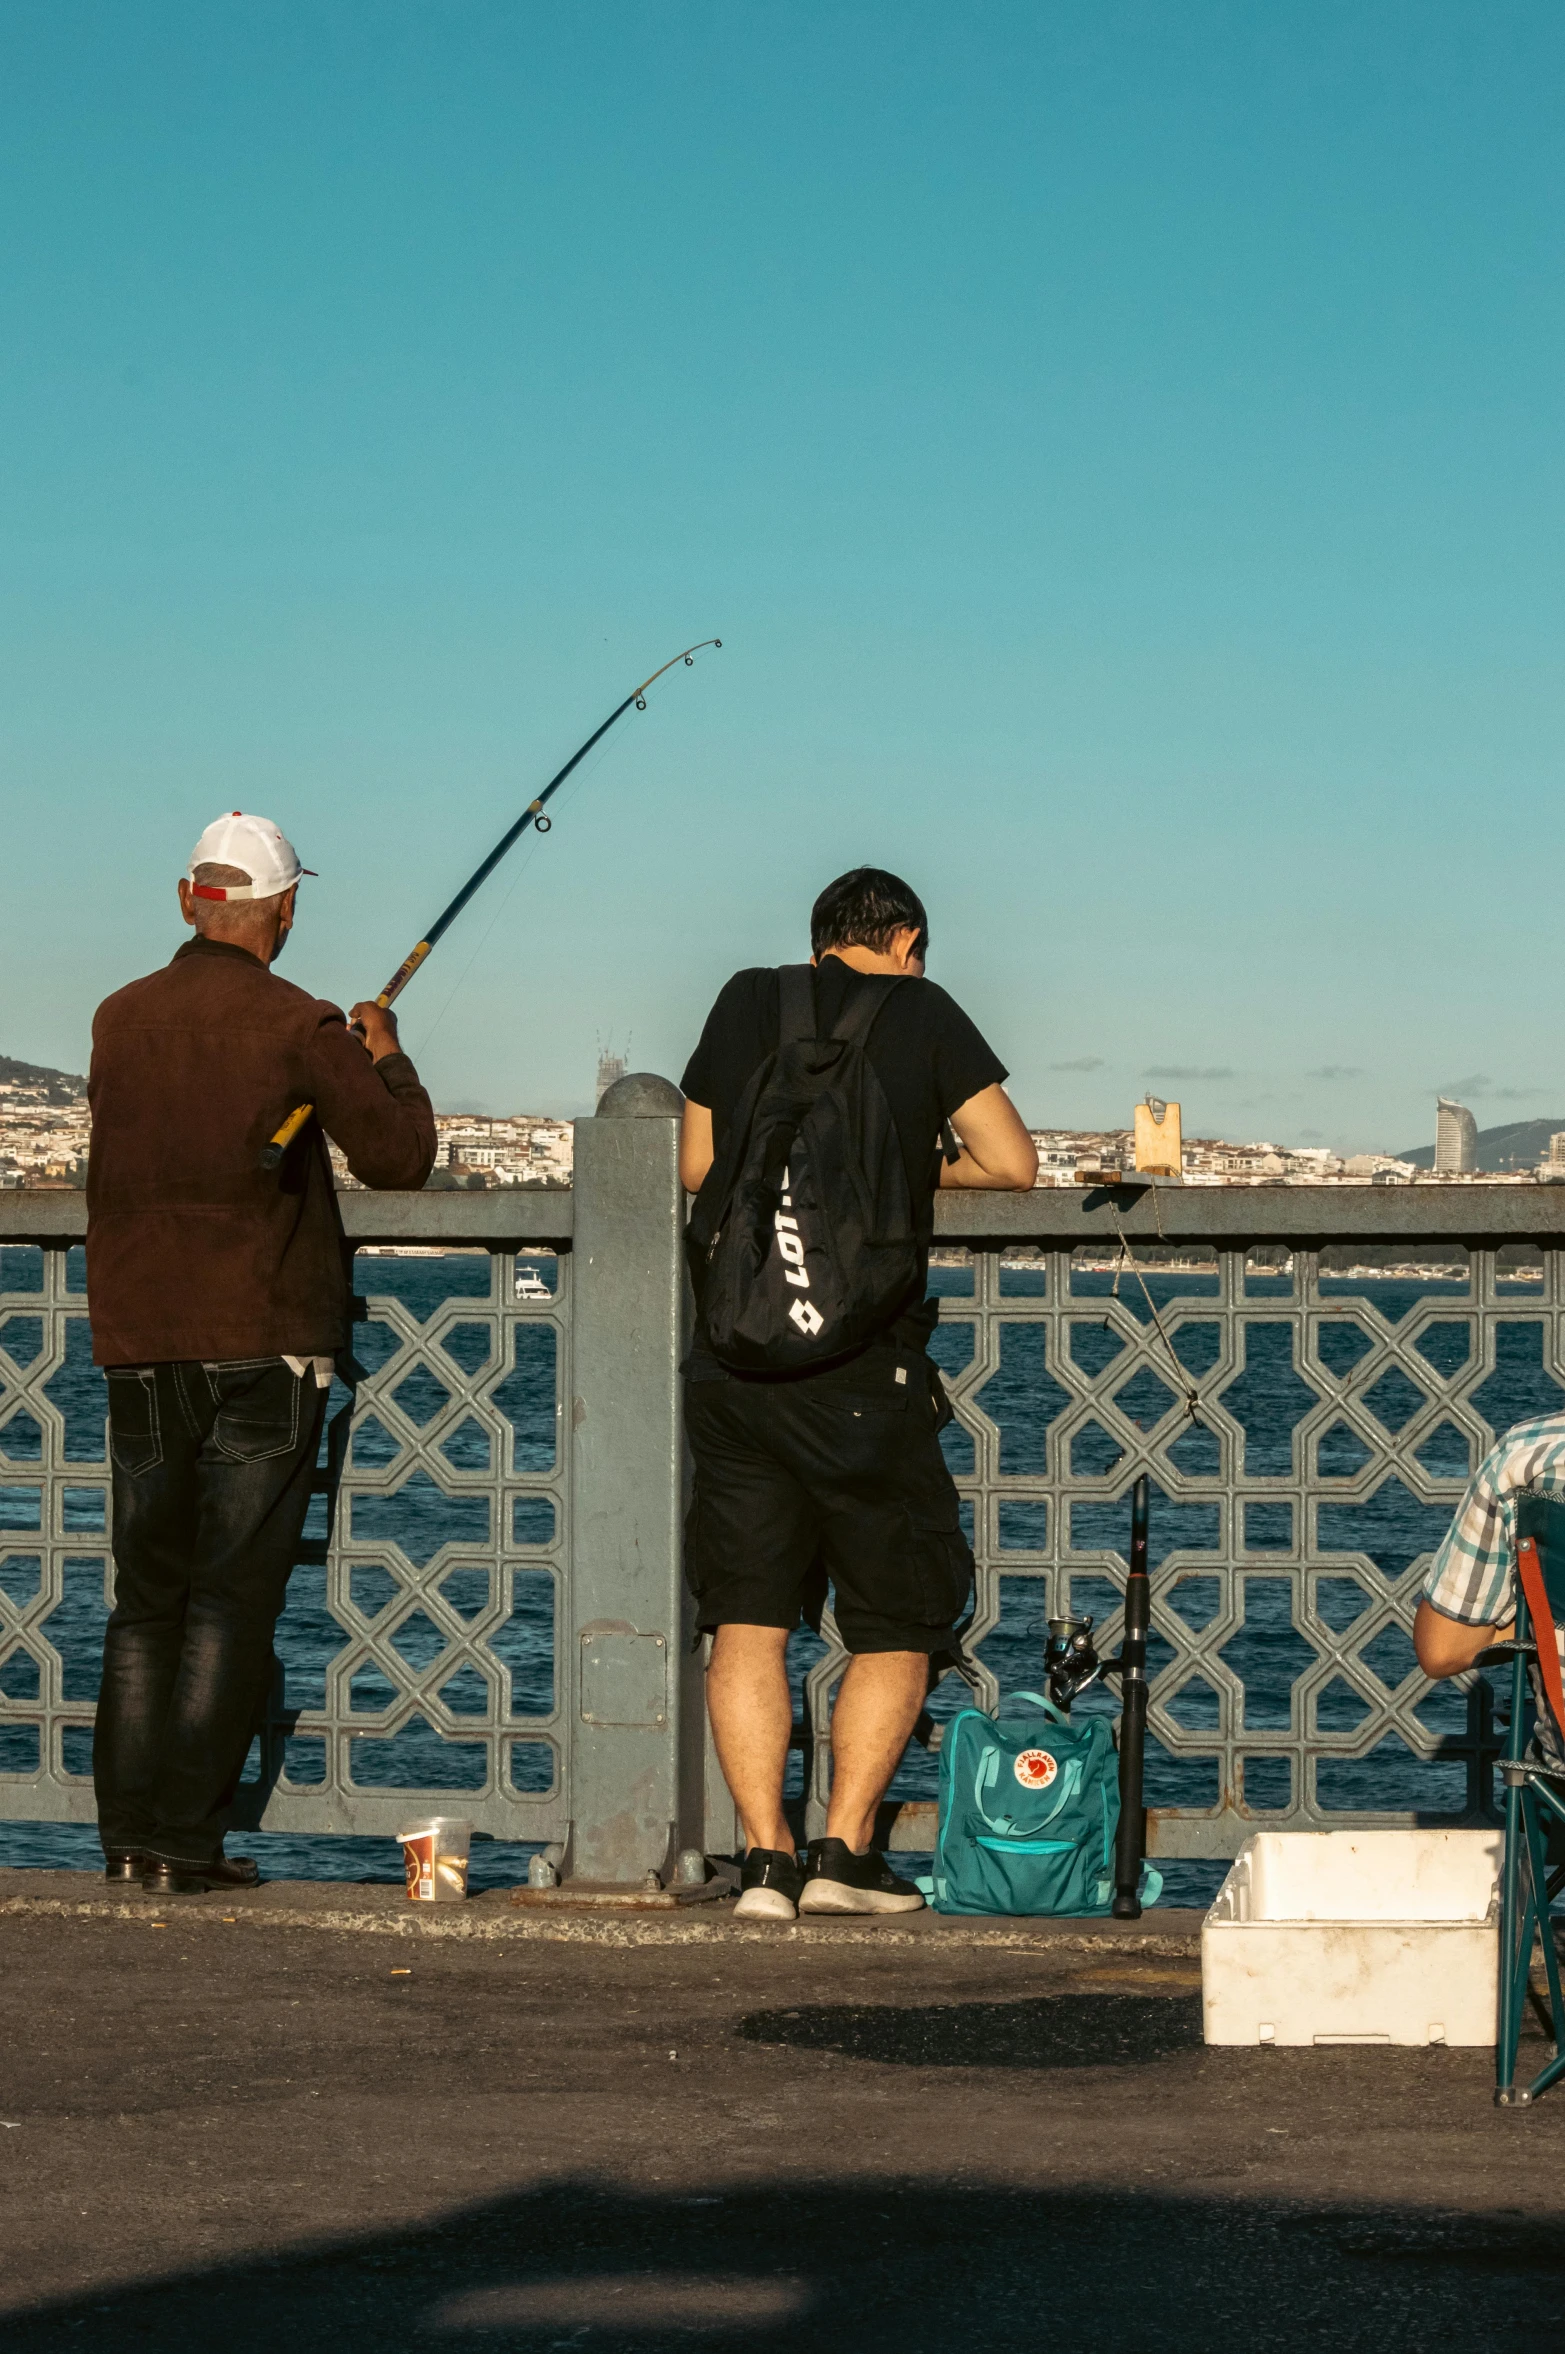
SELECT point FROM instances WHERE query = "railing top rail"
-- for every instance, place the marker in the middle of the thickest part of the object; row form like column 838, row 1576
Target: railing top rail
column 505, row 1218
column 1480, row 1216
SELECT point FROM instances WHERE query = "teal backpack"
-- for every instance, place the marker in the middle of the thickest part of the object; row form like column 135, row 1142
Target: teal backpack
column 1028, row 1811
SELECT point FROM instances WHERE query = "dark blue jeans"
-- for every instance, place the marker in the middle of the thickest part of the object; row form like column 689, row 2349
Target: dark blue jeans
column 213, row 1467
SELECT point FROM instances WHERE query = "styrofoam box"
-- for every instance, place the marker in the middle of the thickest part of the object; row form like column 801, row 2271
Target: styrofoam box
column 1355, row 1937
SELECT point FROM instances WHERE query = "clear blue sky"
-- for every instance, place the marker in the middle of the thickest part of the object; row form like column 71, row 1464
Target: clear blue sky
column 1118, row 444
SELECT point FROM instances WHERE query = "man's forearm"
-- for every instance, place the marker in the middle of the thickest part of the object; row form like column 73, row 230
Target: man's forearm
column 964, row 1170
column 1448, row 1646
column 997, row 1154
column 378, row 1113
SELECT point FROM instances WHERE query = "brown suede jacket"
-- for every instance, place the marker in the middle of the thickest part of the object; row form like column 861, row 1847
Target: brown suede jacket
column 192, row 1250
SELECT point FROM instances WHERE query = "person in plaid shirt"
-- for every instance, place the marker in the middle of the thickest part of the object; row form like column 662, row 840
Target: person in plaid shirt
column 1469, row 1597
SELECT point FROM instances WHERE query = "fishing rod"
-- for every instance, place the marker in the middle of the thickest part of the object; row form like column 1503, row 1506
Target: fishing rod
column 1131, row 1838
column 1073, row 1663
column 532, row 815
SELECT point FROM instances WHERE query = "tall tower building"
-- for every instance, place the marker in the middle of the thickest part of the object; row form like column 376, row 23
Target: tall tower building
column 610, row 1068
column 1456, row 1139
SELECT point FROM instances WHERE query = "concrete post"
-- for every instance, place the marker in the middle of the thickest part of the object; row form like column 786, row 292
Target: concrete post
column 635, row 1783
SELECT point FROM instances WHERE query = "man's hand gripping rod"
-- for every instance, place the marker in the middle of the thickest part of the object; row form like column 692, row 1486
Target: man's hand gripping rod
column 532, row 815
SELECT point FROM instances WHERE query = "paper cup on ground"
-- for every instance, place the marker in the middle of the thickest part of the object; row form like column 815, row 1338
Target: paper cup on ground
column 434, row 1855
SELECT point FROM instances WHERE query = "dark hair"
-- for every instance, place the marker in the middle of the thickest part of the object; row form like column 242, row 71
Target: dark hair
column 864, row 909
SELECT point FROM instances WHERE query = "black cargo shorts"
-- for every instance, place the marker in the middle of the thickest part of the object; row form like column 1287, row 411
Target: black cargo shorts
column 837, row 1476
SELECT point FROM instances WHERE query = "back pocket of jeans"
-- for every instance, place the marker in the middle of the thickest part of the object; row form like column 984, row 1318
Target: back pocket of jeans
column 257, row 1409
column 135, row 1437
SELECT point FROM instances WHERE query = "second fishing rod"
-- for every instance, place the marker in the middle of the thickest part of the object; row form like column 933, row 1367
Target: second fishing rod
column 533, row 815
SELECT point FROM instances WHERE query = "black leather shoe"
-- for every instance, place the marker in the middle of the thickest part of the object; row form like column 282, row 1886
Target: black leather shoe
column 160, row 1877
column 123, row 1863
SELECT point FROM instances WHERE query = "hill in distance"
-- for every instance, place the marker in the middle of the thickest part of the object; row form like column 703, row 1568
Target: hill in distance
column 1521, row 1144
column 41, row 1083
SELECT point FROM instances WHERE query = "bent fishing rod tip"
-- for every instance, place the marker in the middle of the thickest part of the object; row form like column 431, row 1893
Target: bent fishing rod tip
column 688, row 658
column 272, row 1152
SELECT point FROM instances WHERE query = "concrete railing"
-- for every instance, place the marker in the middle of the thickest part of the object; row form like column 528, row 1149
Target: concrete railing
column 494, row 1576
column 540, row 1645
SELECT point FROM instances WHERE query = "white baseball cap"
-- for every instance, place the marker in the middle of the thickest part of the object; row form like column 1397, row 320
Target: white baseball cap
column 254, row 845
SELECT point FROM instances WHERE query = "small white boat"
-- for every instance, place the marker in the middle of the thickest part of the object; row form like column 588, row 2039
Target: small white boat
column 530, row 1285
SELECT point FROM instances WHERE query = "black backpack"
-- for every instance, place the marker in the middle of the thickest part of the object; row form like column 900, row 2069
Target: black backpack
column 802, row 1241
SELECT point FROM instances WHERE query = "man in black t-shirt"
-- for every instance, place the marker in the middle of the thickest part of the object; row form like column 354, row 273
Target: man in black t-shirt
column 837, row 1475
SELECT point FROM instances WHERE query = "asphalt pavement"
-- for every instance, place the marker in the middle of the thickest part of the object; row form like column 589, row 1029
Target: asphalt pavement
column 247, row 2128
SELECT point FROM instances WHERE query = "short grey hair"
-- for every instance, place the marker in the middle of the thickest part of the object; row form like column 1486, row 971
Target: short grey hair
column 229, row 918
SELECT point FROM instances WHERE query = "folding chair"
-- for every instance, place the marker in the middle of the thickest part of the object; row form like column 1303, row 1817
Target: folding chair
column 1534, row 1793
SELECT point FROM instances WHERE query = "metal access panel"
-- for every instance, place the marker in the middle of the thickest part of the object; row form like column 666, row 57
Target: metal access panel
column 624, row 1677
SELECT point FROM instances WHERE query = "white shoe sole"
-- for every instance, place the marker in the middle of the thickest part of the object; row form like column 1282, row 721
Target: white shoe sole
column 764, row 1904
column 835, row 1896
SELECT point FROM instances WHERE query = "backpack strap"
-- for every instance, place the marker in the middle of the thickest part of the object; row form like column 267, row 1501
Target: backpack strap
column 859, row 1015
column 795, row 1003
column 797, row 1017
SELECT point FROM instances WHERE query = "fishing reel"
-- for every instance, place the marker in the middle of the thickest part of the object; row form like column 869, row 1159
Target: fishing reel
column 1070, row 1659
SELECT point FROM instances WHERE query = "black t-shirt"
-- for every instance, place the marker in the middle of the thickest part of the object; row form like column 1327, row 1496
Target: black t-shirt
column 927, row 1055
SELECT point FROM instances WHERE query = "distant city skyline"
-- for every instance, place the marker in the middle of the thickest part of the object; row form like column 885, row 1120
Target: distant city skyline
column 45, row 1135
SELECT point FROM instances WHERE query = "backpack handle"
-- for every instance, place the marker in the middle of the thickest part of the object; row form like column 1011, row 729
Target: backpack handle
column 798, row 1011
column 1039, row 1701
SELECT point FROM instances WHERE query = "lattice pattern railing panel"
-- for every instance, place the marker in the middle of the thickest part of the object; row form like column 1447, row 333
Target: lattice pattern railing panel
column 1319, row 1414
column 420, row 1628
column 428, row 1608
column 53, row 1561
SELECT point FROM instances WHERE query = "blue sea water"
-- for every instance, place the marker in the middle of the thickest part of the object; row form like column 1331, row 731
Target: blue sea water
column 1266, row 1398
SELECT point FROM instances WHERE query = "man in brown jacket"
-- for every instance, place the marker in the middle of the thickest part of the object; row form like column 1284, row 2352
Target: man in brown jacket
column 218, row 1296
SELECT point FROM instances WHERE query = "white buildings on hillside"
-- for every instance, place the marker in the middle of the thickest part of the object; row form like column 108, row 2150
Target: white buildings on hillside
column 45, row 1131
column 525, row 1149
column 1067, row 1155
column 44, row 1127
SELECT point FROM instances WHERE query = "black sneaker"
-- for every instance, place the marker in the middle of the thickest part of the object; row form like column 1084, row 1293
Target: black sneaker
column 838, row 1881
column 769, row 1886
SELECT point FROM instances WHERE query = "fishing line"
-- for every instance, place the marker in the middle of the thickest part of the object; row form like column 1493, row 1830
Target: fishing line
column 1127, row 1259
column 530, row 853
column 457, row 986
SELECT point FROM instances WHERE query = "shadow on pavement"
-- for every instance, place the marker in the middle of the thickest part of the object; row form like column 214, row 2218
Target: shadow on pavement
column 887, row 2268
column 1042, row 2031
